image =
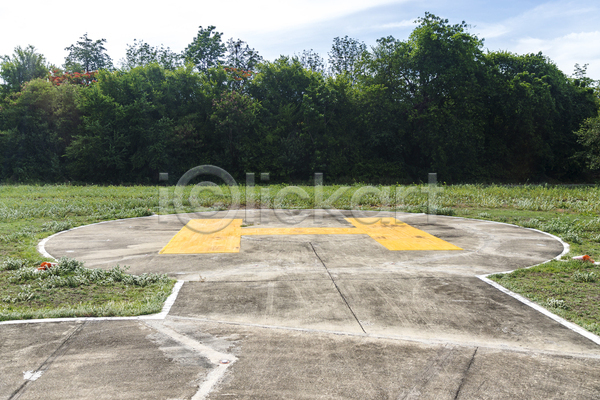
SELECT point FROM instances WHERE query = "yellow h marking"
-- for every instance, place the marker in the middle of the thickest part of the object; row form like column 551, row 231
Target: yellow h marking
column 391, row 233
column 191, row 239
column 396, row 235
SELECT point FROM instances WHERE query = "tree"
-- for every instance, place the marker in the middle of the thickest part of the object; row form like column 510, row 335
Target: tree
column 433, row 82
column 140, row 122
column 311, row 60
column 345, row 54
column 59, row 77
column 580, row 77
column 240, row 55
column 534, row 109
column 87, row 55
column 141, row 54
column 206, row 50
column 288, row 137
column 234, row 116
column 23, row 66
column 37, row 125
column 589, row 136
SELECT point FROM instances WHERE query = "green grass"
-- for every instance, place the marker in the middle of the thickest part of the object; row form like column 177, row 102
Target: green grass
column 570, row 289
column 68, row 289
column 29, row 213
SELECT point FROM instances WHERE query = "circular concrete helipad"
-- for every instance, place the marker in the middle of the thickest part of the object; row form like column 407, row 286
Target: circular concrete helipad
column 486, row 247
column 330, row 271
column 331, row 307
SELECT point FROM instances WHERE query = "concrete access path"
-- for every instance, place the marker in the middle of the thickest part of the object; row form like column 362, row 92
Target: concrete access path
column 308, row 316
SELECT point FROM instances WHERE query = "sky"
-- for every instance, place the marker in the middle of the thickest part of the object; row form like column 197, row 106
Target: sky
column 568, row 32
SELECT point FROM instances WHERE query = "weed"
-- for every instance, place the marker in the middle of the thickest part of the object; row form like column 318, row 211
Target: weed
column 571, row 237
column 25, row 295
column 11, row 264
column 445, row 211
column 551, row 302
column 592, row 327
column 583, row 276
column 72, row 273
column 18, row 236
column 561, row 226
column 532, row 223
column 57, row 226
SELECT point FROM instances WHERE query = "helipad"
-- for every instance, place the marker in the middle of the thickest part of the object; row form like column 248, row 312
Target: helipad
column 283, row 246
column 304, row 305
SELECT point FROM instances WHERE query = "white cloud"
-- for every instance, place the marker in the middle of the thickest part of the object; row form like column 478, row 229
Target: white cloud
column 550, row 18
column 489, row 31
column 565, row 51
column 565, row 31
column 407, row 23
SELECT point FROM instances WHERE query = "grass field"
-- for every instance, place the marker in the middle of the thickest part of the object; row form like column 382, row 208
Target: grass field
column 30, row 213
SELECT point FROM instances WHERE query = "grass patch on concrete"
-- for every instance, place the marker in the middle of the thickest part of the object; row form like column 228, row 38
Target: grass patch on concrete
column 68, row 289
column 29, row 213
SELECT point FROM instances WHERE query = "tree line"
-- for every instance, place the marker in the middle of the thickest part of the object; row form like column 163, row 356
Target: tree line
column 436, row 102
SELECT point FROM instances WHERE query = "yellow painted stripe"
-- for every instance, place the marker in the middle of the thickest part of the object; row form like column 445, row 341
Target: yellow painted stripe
column 206, row 236
column 300, row 231
column 396, row 235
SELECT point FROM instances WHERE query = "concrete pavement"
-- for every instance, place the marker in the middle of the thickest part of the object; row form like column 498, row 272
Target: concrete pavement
column 309, row 317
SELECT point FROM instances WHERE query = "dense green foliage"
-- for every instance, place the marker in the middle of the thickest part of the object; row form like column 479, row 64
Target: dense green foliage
column 24, row 65
column 435, row 102
column 589, row 136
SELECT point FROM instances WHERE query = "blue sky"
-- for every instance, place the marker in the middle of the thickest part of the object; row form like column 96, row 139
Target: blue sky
column 566, row 31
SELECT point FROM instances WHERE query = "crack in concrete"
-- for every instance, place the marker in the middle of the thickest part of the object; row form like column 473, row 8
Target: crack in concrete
column 431, row 370
column 45, row 365
column 338, row 289
column 464, row 378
